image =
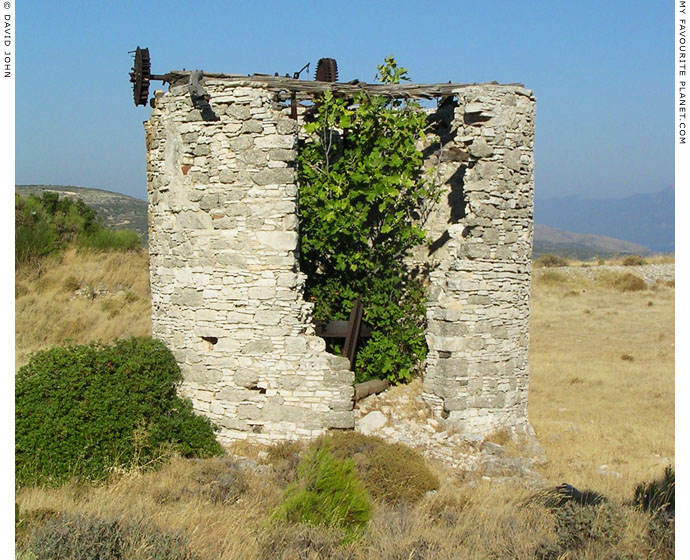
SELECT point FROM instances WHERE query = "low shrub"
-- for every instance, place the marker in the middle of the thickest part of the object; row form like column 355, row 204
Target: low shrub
column 391, row 472
column 327, row 492
column 284, row 457
column 629, row 283
column 86, row 537
column 550, row 261
column 658, row 495
column 577, row 526
column 84, row 411
column 634, row 260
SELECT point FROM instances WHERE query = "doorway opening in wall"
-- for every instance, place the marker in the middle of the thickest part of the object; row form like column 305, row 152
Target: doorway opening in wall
column 363, row 200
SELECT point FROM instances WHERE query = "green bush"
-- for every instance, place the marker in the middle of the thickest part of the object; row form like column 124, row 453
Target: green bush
column 361, row 193
column 85, row 538
column 327, row 492
column 83, row 410
column 391, row 472
column 45, row 225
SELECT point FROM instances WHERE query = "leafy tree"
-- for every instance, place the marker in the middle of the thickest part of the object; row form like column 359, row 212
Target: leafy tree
column 361, row 190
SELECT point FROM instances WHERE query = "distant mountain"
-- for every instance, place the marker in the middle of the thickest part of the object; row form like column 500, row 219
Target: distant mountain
column 581, row 246
column 118, row 211
column 645, row 219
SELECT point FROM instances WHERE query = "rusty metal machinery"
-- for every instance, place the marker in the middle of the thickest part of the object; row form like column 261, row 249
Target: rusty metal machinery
column 141, row 76
column 326, row 70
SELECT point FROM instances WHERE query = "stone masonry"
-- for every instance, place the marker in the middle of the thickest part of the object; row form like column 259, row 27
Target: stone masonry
column 480, row 259
column 227, row 293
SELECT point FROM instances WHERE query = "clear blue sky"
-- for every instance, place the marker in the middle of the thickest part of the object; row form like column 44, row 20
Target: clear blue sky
column 602, row 73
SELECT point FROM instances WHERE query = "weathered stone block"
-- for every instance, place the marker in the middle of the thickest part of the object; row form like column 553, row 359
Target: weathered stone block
column 278, row 240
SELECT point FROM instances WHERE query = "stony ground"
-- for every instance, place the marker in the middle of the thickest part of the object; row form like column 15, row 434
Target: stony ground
column 650, row 273
column 399, row 415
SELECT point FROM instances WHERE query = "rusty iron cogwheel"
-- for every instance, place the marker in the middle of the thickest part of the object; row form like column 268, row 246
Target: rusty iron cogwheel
column 140, row 76
column 326, row 70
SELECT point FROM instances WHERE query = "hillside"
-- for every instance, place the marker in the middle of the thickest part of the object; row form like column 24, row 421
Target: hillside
column 645, row 219
column 581, row 246
column 118, row 211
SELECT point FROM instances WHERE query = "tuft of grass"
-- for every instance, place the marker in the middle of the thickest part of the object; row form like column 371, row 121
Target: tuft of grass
column 500, row 437
column 622, row 281
column 629, row 283
column 658, row 495
column 71, row 284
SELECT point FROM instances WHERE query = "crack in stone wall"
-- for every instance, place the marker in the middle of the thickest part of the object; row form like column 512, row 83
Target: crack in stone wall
column 227, row 293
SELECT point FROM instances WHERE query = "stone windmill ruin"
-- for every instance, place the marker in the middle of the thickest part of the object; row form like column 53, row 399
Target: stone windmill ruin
column 227, row 291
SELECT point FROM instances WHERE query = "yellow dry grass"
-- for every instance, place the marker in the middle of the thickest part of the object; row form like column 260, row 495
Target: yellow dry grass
column 601, row 393
column 80, row 298
column 602, row 382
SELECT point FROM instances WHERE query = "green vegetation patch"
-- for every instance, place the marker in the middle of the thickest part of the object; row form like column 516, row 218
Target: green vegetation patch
column 327, row 492
column 362, row 193
column 47, row 224
column 391, row 472
column 81, row 411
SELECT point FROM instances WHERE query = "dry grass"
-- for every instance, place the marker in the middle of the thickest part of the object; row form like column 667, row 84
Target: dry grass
column 81, row 298
column 590, row 406
column 632, row 260
column 477, row 521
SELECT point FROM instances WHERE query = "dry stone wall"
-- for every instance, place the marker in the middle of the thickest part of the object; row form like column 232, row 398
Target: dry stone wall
column 478, row 312
column 225, row 285
column 226, row 288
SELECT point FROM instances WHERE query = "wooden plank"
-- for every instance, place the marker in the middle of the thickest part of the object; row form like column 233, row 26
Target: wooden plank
column 353, row 328
column 369, row 388
column 426, row 91
column 338, row 329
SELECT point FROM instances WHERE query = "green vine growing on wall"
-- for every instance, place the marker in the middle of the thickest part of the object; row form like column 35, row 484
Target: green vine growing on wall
column 361, row 194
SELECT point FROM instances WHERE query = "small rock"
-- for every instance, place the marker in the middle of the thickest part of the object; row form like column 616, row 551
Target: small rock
column 371, row 422
column 492, row 448
column 263, row 455
column 603, row 470
column 433, row 423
